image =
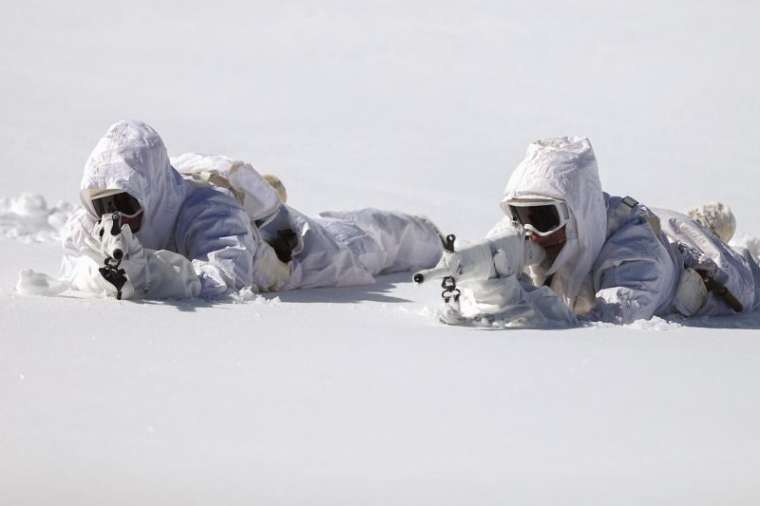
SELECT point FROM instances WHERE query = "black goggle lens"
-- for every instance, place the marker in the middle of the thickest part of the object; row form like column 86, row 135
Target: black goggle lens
column 542, row 218
column 121, row 202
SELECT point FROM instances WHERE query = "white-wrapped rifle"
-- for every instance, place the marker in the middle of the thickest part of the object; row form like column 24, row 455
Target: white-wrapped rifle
column 497, row 256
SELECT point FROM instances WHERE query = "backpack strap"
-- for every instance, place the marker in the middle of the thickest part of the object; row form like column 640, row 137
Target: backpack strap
column 652, row 219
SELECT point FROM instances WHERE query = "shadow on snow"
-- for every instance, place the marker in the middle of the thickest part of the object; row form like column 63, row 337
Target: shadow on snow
column 379, row 292
column 376, row 292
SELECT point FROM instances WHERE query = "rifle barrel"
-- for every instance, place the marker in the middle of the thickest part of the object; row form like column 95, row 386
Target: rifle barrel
column 428, row 274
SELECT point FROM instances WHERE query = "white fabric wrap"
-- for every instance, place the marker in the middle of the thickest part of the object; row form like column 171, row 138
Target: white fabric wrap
column 512, row 252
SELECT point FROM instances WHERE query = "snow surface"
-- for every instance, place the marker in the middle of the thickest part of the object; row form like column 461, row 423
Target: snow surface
column 358, row 396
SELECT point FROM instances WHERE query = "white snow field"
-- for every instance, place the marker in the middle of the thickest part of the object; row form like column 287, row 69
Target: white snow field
column 358, row 396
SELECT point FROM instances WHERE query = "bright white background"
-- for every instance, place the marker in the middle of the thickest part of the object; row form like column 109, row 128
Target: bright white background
column 359, row 396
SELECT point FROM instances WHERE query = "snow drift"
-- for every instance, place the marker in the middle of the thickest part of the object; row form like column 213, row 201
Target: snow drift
column 29, row 218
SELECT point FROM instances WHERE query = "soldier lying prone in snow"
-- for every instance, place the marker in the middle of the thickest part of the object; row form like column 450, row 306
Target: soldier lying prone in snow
column 214, row 225
column 605, row 258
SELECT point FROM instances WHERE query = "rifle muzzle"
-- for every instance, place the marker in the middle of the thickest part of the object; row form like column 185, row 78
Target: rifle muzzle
column 428, row 274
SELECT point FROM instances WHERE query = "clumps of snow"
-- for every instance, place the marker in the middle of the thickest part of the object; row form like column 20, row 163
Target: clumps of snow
column 38, row 283
column 29, row 218
column 515, row 318
column 655, row 324
column 748, row 242
column 248, row 295
column 430, row 313
column 523, row 321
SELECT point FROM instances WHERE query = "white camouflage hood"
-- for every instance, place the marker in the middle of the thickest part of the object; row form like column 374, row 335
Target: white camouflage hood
column 565, row 168
column 132, row 157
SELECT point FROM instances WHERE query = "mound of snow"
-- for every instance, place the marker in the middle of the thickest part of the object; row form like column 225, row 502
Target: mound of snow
column 31, row 282
column 247, row 294
column 654, row 324
column 28, row 217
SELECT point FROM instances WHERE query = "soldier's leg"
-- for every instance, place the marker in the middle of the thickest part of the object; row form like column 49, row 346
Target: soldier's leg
column 403, row 242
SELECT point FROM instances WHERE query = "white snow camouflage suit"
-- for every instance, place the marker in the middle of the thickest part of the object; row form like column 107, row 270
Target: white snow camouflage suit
column 204, row 234
column 622, row 261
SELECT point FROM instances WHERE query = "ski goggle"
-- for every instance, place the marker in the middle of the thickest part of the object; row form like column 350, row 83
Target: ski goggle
column 129, row 209
column 539, row 216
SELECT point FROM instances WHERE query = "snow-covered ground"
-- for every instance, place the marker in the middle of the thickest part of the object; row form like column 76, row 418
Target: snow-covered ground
column 358, row 396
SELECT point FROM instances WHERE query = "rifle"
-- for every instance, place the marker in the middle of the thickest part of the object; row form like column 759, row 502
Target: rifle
column 114, row 252
column 500, row 256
